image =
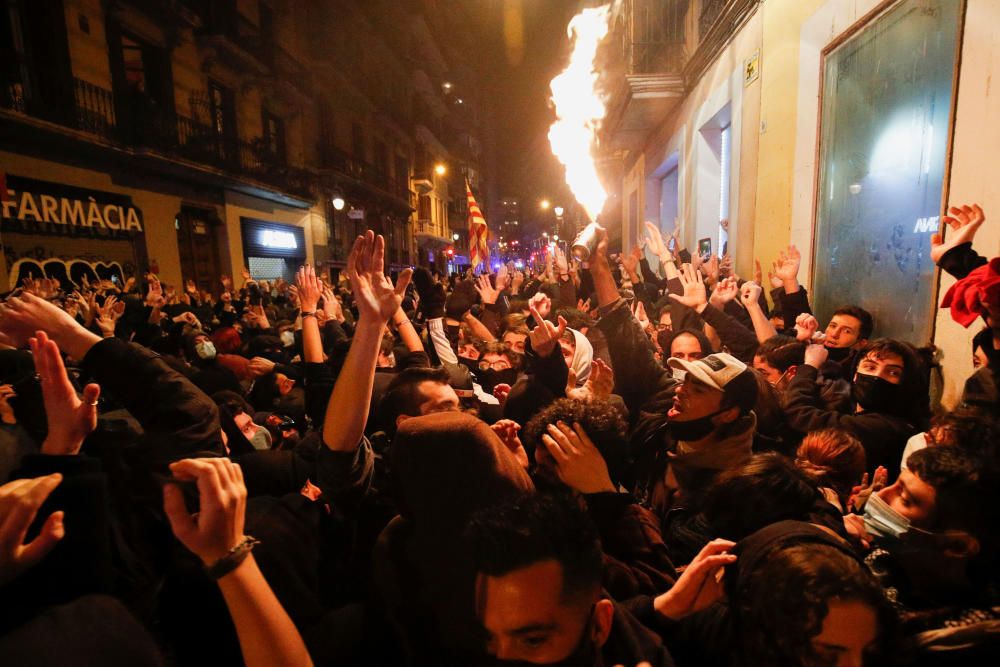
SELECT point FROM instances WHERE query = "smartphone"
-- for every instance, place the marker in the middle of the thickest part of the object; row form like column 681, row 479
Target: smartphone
column 114, row 279
column 705, row 247
column 672, row 245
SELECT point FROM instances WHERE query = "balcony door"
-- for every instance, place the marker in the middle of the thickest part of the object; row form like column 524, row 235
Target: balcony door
column 35, row 74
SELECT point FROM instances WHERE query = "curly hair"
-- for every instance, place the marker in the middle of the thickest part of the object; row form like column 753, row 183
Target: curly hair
column 781, row 607
column 602, row 421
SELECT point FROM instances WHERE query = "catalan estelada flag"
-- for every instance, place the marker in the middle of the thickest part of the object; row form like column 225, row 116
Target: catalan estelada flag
column 478, row 232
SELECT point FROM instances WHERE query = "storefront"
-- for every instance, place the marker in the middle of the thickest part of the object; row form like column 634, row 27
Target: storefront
column 68, row 233
column 272, row 250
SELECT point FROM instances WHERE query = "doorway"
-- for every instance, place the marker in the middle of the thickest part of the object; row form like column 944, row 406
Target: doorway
column 198, row 245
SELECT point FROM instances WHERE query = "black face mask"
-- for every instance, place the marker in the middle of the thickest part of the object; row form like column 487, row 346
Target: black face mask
column 584, row 655
column 491, row 378
column 471, row 364
column 695, row 429
column 875, row 394
column 838, row 354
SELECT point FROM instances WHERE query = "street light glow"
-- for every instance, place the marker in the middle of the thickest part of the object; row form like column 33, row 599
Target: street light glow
column 544, row 204
column 338, row 203
column 440, row 169
column 558, row 210
column 454, row 237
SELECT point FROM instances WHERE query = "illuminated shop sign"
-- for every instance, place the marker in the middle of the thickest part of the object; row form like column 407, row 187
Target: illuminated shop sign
column 30, row 205
column 271, row 238
column 262, row 238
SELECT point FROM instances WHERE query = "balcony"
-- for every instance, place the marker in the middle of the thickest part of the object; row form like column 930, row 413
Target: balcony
column 647, row 81
column 233, row 37
column 718, row 21
column 339, row 162
column 159, row 133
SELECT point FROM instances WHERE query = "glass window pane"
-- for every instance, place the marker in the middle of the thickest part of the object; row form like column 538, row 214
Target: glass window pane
column 885, row 126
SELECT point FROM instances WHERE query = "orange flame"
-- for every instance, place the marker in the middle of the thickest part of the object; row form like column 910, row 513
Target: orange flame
column 580, row 108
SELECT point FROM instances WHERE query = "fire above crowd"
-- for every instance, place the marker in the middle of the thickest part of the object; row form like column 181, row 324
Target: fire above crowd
column 579, row 108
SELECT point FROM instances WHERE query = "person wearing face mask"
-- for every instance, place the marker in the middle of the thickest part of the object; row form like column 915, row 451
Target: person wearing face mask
column 890, row 400
column 934, row 537
column 210, row 374
column 497, row 364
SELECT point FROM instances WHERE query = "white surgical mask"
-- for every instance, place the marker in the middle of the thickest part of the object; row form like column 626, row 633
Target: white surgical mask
column 205, row 350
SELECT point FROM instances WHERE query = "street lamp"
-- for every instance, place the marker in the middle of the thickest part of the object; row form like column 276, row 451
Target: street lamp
column 440, row 169
column 544, row 204
column 558, row 211
column 454, row 237
column 555, row 237
column 545, row 234
column 338, row 203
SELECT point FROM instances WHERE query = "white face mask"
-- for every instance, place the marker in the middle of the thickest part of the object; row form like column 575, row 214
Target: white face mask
column 287, row 338
column 205, row 350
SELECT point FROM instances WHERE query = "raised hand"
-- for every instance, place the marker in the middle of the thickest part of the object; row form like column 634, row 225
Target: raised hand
column 217, row 527
column 507, row 430
column 487, row 292
column 805, row 327
column 70, row 418
column 332, row 307
column 191, row 288
column 724, row 292
column 21, row 316
column 860, row 494
column 309, row 289
column 694, row 295
column 786, row 269
column 750, row 294
column 516, row 282
column 154, row 297
column 726, row 266
column 108, row 315
column 562, row 266
column 700, row 585
column 541, row 303
column 259, row 366
column 631, row 260
column 598, row 386
column 655, row 240
column 503, row 278
column 640, row 315
column 545, row 337
column 20, row 501
column 816, row 355
column 964, row 221
column 578, row 462
column 712, row 270
column 758, row 274
column 376, row 297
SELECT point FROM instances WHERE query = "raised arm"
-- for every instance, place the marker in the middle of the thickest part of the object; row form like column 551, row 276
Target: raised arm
column 267, row 635
column 377, row 300
column 310, row 291
column 750, row 297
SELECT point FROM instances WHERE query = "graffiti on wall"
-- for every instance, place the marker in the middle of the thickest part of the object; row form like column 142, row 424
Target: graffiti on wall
column 71, row 273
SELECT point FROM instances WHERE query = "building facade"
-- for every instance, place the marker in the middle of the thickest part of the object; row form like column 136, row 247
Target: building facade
column 844, row 128
column 193, row 139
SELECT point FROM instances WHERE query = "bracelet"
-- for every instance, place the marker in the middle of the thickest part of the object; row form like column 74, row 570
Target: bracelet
column 307, row 313
column 232, row 559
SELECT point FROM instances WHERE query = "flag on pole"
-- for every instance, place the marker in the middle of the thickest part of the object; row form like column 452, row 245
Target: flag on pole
column 478, row 232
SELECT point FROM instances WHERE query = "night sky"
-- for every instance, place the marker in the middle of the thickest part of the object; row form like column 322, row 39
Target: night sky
column 520, row 94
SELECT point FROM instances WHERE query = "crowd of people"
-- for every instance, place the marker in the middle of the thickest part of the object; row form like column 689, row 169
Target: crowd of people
column 588, row 464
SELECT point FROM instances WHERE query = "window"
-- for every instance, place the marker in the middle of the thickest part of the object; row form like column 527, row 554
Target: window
column 135, row 65
column 358, row 141
column 274, row 135
column 220, row 102
column 725, row 167
column 714, row 176
column 886, row 105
